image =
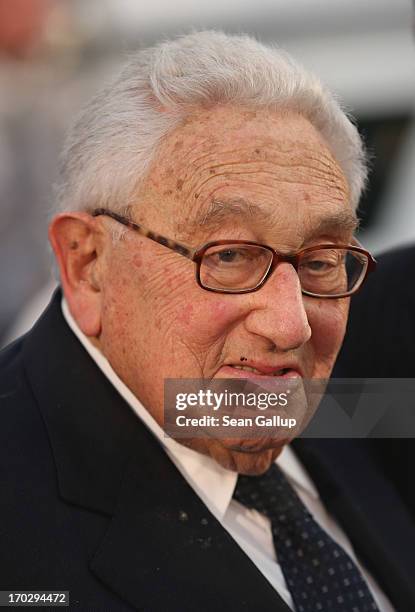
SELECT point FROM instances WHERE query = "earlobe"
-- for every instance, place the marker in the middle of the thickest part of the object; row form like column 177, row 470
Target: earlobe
column 77, row 243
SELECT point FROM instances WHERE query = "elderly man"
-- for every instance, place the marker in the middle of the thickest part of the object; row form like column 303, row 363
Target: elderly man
column 216, row 156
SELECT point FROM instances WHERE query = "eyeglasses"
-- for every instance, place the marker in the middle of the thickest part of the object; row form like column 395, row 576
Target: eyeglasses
column 241, row 266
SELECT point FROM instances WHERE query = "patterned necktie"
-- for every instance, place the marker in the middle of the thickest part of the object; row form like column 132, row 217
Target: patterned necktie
column 319, row 573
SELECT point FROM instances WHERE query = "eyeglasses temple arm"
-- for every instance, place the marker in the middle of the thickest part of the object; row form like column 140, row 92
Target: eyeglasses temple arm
column 167, row 242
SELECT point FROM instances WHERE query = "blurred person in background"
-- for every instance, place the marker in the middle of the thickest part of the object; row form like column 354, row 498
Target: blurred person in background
column 380, row 343
column 21, row 25
column 30, row 128
column 206, row 138
column 380, row 339
column 43, row 79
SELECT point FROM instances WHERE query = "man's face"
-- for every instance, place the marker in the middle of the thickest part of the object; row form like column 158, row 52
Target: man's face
column 227, row 173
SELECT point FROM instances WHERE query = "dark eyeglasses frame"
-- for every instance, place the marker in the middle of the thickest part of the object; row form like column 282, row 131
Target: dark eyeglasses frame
column 196, row 255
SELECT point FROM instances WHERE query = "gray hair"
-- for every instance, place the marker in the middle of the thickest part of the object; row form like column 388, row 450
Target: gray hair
column 110, row 147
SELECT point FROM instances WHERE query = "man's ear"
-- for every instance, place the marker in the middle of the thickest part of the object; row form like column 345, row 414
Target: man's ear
column 77, row 240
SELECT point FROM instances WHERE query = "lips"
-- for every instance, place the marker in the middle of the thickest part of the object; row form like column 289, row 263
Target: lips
column 279, row 372
column 258, row 371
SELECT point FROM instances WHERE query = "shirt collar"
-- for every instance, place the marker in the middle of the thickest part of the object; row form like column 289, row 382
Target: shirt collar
column 213, row 483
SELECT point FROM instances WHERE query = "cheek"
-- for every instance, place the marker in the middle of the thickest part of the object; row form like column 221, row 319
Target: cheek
column 189, row 335
column 119, row 318
column 205, row 319
column 123, row 323
column 185, row 315
column 207, row 310
column 175, row 321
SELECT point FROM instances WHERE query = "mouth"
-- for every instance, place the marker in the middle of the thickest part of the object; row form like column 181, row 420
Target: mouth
column 259, row 371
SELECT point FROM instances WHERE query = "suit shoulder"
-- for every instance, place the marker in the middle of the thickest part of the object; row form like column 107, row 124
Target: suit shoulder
column 20, row 419
column 11, row 372
column 9, row 354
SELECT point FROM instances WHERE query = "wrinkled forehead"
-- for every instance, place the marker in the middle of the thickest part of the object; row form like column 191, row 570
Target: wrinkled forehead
column 237, row 166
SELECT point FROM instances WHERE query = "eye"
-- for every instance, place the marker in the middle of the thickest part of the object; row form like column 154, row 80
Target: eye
column 229, row 255
column 317, row 265
column 234, row 266
column 322, row 262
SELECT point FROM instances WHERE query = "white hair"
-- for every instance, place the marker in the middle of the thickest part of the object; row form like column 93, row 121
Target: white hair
column 110, row 147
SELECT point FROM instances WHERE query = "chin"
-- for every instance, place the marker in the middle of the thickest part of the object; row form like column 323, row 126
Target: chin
column 248, row 463
column 249, row 457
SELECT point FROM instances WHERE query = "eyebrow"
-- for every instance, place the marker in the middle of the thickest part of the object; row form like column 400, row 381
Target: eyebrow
column 219, row 211
column 340, row 222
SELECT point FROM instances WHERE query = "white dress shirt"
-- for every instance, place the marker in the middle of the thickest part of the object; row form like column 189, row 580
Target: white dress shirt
column 215, row 486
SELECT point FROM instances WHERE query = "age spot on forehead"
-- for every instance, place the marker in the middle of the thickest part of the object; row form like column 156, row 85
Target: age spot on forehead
column 249, row 115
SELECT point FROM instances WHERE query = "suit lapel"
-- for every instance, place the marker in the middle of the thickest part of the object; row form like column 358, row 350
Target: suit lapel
column 163, row 545
column 369, row 509
column 162, row 549
column 90, row 427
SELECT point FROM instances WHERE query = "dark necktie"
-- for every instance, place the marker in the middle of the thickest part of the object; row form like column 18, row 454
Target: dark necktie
column 319, row 573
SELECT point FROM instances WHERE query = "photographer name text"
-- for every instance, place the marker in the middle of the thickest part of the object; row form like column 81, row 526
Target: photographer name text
column 227, row 421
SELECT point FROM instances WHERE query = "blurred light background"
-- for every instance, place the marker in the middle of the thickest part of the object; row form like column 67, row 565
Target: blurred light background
column 55, row 53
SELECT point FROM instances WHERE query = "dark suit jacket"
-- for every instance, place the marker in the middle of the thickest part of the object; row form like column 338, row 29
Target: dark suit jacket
column 91, row 503
column 380, row 343
column 380, row 338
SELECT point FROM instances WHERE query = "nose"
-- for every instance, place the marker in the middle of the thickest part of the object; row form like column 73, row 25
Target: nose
column 277, row 310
